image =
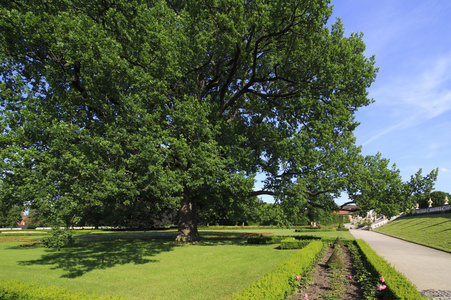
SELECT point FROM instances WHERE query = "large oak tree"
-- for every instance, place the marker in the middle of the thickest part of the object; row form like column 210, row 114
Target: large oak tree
column 118, row 106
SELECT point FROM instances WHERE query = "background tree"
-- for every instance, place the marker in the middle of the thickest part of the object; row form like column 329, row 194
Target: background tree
column 437, row 197
column 129, row 105
column 377, row 186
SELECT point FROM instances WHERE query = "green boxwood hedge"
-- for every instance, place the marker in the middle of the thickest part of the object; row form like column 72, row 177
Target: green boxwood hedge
column 15, row 290
column 321, row 230
column 291, row 243
column 398, row 286
column 282, row 280
column 265, row 240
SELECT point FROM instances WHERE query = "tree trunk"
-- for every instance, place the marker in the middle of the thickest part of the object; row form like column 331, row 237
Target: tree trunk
column 187, row 220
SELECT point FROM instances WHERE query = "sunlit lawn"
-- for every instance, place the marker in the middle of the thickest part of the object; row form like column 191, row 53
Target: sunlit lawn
column 147, row 269
column 149, row 265
column 430, row 230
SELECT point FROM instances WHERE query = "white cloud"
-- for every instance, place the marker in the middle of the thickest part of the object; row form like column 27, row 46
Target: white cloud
column 415, row 97
column 445, row 170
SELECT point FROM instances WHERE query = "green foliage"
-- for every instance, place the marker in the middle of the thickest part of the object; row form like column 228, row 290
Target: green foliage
column 437, row 197
column 365, row 273
column 58, row 238
column 325, row 217
column 380, row 187
column 281, row 281
column 36, row 233
column 9, row 217
column 263, row 240
column 292, row 243
column 398, row 286
column 123, row 112
column 321, row 230
column 335, row 261
column 15, row 290
column 338, row 243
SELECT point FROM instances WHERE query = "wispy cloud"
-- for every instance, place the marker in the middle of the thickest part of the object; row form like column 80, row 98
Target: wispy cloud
column 415, row 99
column 445, row 170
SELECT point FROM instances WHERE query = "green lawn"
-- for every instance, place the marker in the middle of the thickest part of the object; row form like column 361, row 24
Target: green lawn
column 430, row 230
column 154, row 268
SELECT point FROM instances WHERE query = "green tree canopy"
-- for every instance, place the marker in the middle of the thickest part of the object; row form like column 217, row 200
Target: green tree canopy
column 115, row 107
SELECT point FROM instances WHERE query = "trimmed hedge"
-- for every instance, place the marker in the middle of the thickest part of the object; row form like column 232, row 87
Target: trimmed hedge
column 265, row 240
column 282, row 280
column 277, row 239
column 321, row 230
column 15, row 290
column 294, row 244
column 398, row 286
column 37, row 233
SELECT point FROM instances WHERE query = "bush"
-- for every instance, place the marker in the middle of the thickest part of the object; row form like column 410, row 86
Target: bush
column 282, row 281
column 292, row 243
column 277, row 239
column 334, row 261
column 15, row 290
column 58, row 238
column 322, row 230
column 338, row 243
column 398, row 286
column 265, row 240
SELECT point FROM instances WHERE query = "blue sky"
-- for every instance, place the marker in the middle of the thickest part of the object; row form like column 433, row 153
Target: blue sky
column 410, row 121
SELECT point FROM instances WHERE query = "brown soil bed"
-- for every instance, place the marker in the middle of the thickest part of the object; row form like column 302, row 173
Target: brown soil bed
column 320, row 282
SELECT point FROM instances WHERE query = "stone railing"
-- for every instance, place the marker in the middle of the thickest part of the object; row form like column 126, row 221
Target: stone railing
column 381, row 223
column 431, row 210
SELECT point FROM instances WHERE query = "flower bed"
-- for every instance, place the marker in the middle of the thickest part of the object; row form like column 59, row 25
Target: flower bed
column 378, row 274
column 282, row 281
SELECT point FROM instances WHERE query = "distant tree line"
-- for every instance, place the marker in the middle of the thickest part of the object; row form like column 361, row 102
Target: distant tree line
column 256, row 212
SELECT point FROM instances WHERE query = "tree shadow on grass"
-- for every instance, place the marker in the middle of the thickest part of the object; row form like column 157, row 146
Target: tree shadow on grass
column 109, row 250
column 79, row 260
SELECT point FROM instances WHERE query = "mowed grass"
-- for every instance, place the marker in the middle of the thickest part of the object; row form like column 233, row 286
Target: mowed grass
column 430, row 230
column 147, row 265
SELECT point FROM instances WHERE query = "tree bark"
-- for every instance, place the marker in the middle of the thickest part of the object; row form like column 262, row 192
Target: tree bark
column 187, row 232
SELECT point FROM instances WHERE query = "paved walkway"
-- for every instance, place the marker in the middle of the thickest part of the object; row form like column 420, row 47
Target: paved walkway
column 427, row 268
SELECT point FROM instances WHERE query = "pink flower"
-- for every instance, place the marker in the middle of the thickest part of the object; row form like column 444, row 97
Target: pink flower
column 350, row 277
column 382, row 287
column 382, row 279
column 305, row 296
column 298, row 277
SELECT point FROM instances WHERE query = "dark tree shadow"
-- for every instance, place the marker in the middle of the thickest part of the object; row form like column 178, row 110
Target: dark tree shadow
column 104, row 251
column 79, row 260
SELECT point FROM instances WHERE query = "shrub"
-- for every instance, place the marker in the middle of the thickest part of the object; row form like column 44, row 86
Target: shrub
column 265, row 240
column 282, row 281
column 338, row 243
column 334, row 261
column 294, row 244
column 58, row 238
column 343, row 229
column 398, row 286
column 15, row 290
column 277, row 239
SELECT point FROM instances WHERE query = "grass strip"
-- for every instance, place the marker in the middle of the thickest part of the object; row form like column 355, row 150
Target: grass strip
column 282, row 281
column 431, row 230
